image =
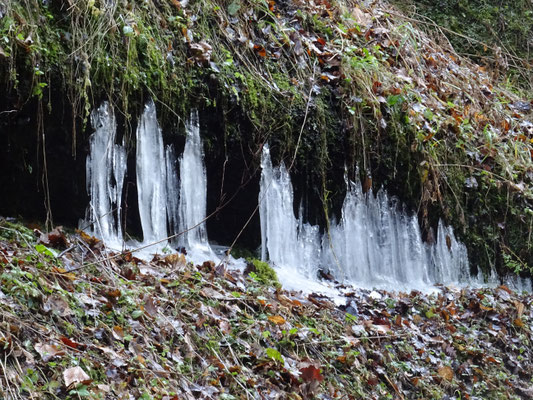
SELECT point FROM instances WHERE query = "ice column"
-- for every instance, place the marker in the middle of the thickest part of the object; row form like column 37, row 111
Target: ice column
column 151, row 177
column 106, row 169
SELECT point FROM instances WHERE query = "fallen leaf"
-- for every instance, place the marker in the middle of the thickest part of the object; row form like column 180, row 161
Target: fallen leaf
column 57, row 305
column 150, row 307
column 518, row 323
column 48, row 351
column 311, row 373
column 260, row 50
column 361, row 17
column 212, row 293
column 446, row 373
column 277, row 319
column 118, row 333
column 65, row 274
column 66, row 341
column 113, row 294
column 176, row 260
column 519, row 308
column 55, row 238
column 75, row 375
column 201, row 52
column 90, row 240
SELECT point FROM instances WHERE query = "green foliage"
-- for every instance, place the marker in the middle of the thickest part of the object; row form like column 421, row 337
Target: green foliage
column 274, row 354
column 41, row 248
column 14, row 231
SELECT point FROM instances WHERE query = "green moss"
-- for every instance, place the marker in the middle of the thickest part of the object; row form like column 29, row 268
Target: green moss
column 265, row 273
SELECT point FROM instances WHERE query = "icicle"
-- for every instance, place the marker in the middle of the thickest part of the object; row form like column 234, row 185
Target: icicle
column 285, row 241
column 151, row 176
column 193, row 190
column 105, row 168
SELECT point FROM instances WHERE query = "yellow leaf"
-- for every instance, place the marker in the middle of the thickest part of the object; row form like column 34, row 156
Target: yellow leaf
column 277, row 319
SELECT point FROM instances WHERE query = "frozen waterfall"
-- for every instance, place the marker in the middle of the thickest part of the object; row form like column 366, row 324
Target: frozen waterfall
column 168, row 203
column 375, row 243
column 105, row 169
column 285, row 240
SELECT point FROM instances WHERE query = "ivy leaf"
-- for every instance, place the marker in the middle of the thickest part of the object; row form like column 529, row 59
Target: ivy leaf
column 41, row 248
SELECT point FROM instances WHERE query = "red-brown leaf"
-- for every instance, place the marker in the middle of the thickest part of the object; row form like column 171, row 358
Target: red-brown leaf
column 67, row 342
column 311, row 374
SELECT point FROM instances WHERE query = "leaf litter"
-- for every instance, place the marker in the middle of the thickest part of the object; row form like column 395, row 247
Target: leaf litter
column 191, row 332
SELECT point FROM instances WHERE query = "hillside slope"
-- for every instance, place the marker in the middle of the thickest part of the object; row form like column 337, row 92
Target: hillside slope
column 78, row 322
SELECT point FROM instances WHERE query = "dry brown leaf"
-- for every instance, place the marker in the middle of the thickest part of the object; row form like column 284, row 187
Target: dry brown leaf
column 176, row 260
column 56, row 304
column 150, row 307
column 118, row 333
column 65, row 274
column 90, row 240
column 55, row 238
column 48, row 351
column 311, row 373
column 70, row 343
column 75, row 375
column 446, row 373
column 518, row 323
column 212, row 293
column 519, row 308
column 224, row 326
column 362, row 18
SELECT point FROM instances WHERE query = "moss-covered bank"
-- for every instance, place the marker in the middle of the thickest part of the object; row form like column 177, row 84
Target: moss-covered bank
column 327, row 83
